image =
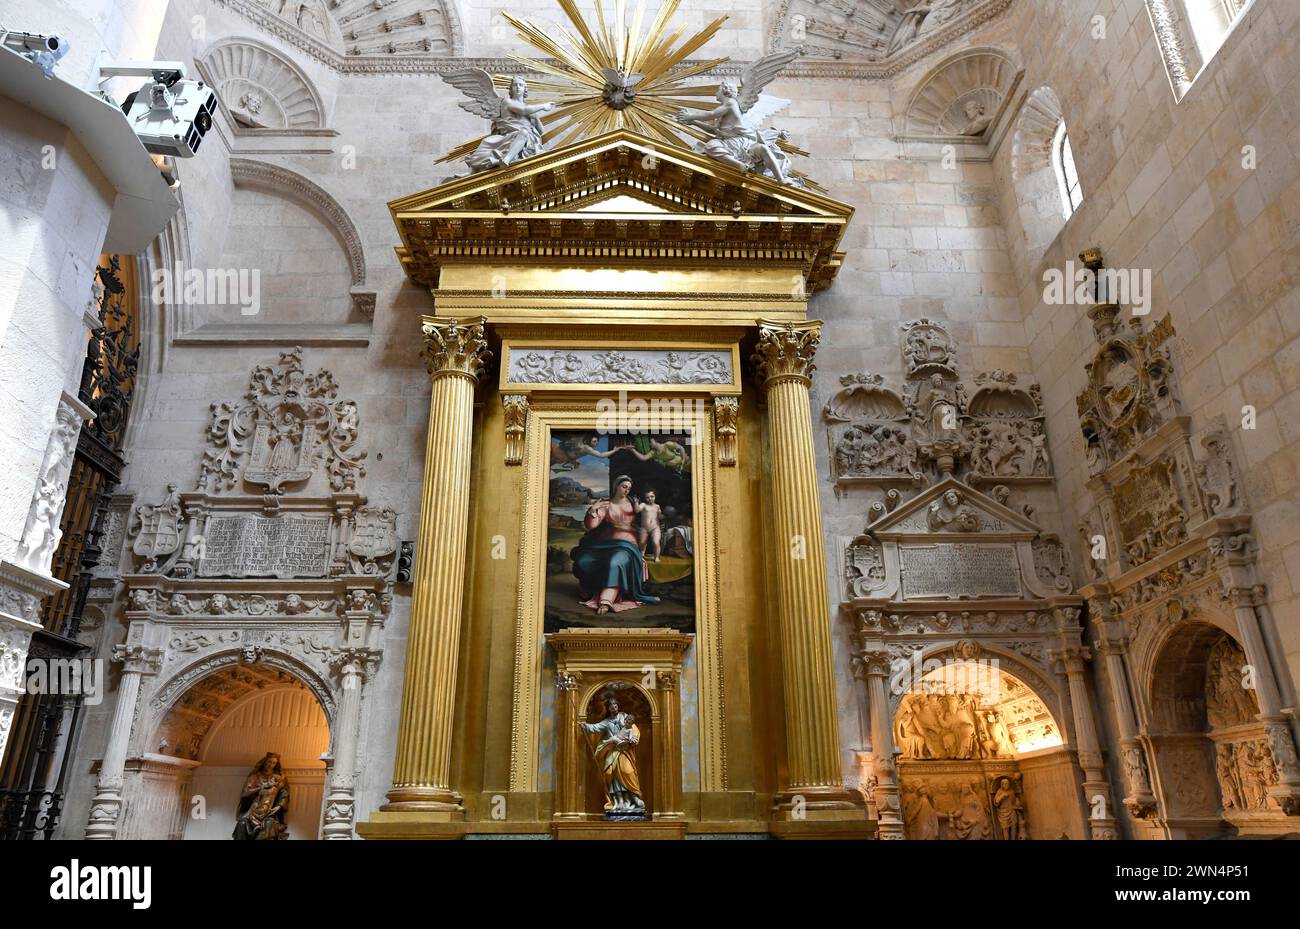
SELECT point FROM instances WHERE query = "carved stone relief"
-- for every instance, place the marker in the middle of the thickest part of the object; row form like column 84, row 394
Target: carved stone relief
column 41, row 532
column 950, row 727
column 623, row 366
column 964, row 802
column 934, row 426
column 288, row 425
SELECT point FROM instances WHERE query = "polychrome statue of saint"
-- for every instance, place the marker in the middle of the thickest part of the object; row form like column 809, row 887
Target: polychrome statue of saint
column 613, row 742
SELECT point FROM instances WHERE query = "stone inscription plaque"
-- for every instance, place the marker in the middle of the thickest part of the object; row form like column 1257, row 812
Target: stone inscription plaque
column 266, row 546
column 953, row 570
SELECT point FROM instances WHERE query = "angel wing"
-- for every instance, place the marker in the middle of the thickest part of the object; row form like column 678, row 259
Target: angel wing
column 476, row 84
column 758, row 75
column 766, row 106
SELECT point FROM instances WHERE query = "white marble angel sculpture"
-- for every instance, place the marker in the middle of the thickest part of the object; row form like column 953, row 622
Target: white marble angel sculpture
column 516, row 126
column 734, row 124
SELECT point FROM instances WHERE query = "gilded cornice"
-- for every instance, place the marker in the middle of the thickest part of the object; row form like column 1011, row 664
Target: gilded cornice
column 696, row 212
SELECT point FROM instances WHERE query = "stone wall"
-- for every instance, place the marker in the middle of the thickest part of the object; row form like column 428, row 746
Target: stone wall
column 1166, row 189
column 1162, row 190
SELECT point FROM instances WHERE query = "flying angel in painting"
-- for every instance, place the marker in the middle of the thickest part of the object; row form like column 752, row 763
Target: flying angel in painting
column 734, row 123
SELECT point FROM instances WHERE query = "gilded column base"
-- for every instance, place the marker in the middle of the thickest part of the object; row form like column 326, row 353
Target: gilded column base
column 410, row 826
column 435, row 804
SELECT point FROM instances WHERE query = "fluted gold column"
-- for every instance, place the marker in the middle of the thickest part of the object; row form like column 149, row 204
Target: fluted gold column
column 454, row 352
column 814, row 785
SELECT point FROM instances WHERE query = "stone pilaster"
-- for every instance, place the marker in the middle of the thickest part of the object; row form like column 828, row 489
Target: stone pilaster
column 1096, row 789
column 873, row 667
column 1138, row 799
column 814, row 788
column 455, row 352
column 354, row 666
column 106, row 806
column 1286, row 791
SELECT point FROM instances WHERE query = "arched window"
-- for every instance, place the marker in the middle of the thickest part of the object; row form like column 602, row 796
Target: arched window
column 1067, row 177
column 1189, row 33
column 1210, row 22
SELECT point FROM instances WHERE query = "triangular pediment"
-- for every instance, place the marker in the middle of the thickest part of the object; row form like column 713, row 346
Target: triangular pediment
column 626, row 199
column 648, row 170
column 971, row 516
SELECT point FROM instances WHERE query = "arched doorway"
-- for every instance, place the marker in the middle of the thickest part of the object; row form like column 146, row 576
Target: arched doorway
column 1213, row 764
column 981, row 755
column 209, row 740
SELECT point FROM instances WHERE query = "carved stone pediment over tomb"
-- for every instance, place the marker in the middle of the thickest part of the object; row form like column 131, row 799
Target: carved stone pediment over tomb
column 953, row 542
column 289, row 425
column 933, row 425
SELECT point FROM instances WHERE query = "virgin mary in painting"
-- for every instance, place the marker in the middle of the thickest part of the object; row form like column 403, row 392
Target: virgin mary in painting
column 608, row 562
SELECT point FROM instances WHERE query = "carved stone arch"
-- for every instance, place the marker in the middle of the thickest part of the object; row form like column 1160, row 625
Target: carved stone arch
column 260, row 87
column 1177, row 667
column 594, row 690
column 166, row 695
column 1030, row 672
column 258, row 175
column 984, row 75
column 1165, row 621
column 221, row 723
column 1031, row 143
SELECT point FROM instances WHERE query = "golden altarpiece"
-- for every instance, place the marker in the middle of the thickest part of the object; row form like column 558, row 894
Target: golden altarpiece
column 629, row 283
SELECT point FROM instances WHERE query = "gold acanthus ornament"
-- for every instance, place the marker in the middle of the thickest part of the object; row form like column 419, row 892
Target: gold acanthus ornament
column 786, row 350
column 456, row 346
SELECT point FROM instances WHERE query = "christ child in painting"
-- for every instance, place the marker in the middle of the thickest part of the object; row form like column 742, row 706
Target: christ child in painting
column 651, row 524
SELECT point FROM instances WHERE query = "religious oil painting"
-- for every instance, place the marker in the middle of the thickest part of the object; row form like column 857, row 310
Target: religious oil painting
column 620, row 538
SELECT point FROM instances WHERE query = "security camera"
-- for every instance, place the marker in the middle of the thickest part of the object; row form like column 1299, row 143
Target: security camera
column 170, row 115
column 44, row 51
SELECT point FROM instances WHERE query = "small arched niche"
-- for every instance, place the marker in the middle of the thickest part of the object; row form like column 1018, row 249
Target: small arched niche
column 962, row 102
column 982, row 756
column 1214, row 766
column 645, row 716
column 260, row 88
column 212, row 737
column 1034, row 170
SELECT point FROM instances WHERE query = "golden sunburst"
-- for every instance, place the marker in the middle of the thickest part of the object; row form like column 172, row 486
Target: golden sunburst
column 613, row 75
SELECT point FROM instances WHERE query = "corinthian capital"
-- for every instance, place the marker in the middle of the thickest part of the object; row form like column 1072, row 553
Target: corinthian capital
column 138, row 659
column 455, row 346
column 785, row 350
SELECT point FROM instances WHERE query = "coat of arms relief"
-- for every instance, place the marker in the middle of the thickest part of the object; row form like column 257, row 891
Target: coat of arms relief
column 277, row 494
column 288, row 424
